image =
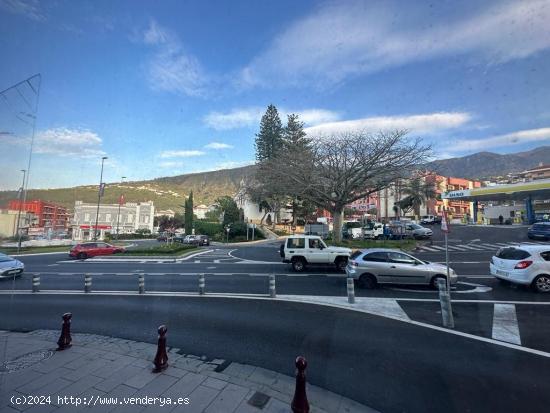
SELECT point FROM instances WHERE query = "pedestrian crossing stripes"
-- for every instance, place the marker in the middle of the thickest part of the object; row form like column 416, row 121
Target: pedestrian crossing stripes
column 474, row 246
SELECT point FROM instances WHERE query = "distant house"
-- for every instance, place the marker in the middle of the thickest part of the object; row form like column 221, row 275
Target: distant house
column 165, row 212
column 542, row 171
column 201, row 210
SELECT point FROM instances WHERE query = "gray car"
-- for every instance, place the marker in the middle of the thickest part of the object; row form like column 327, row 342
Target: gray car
column 416, row 231
column 387, row 266
column 10, row 267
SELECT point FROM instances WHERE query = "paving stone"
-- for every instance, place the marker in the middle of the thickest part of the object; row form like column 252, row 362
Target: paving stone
column 86, row 369
column 184, row 386
column 330, row 401
column 159, row 384
column 277, row 406
column 121, row 376
column 228, row 400
column 199, row 400
column 77, row 388
column 140, row 379
column 113, row 367
column 284, row 384
column 17, row 379
column 175, row 372
column 43, row 381
column 214, row 383
column 263, row 376
column 239, row 370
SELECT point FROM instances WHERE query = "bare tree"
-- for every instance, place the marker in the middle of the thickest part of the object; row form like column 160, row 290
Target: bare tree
column 342, row 168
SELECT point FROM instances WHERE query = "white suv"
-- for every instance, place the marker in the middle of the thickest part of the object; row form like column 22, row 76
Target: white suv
column 523, row 264
column 302, row 250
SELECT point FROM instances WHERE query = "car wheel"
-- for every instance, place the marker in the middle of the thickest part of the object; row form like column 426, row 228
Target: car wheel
column 367, row 281
column 341, row 264
column 433, row 282
column 82, row 256
column 541, row 283
column 298, row 264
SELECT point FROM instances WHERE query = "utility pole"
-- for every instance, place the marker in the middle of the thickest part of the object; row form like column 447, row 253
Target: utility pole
column 119, row 202
column 21, row 190
column 99, row 194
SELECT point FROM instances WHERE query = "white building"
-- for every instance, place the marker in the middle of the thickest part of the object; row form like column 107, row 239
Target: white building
column 133, row 216
column 201, row 210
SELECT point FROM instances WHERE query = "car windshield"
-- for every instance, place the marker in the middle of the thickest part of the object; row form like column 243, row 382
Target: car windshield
column 235, row 200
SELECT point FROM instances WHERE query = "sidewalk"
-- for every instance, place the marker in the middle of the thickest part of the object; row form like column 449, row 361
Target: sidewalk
column 98, row 369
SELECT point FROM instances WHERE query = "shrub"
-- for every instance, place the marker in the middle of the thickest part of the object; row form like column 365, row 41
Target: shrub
column 208, row 228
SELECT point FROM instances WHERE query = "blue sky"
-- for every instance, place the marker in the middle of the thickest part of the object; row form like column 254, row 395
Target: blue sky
column 171, row 87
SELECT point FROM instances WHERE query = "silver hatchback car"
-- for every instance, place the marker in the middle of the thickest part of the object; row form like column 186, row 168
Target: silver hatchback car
column 387, row 266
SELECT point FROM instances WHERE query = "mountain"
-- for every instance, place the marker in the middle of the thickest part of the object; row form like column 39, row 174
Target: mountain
column 166, row 193
column 484, row 165
column 170, row 192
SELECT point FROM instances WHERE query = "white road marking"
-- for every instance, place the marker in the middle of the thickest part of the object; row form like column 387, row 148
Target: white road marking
column 505, row 324
column 438, row 248
column 53, row 265
column 216, row 261
column 429, row 249
column 197, row 261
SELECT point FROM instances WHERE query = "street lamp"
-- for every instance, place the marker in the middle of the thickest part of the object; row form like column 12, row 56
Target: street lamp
column 99, row 194
column 21, row 190
column 119, row 202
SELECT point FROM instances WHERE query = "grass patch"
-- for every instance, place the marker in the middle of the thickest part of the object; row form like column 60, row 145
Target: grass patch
column 406, row 244
column 166, row 249
column 33, row 250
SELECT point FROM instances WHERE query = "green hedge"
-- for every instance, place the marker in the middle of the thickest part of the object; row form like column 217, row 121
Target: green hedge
column 165, row 249
column 208, row 228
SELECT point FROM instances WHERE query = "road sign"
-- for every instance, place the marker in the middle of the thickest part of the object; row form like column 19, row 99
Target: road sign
column 444, row 223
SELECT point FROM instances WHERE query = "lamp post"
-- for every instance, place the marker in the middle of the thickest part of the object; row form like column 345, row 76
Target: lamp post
column 99, row 193
column 21, row 190
column 118, row 213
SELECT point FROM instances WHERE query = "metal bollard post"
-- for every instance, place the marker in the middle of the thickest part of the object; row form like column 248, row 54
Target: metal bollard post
column 35, row 283
column 299, row 402
column 201, row 284
column 141, row 284
column 87, row 283
column 351, row 291
column 272, row 290
column 161, row 358
column 445, row 300
column 65, row 338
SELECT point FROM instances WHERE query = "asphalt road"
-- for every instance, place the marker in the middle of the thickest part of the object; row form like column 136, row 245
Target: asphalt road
column 386, row 364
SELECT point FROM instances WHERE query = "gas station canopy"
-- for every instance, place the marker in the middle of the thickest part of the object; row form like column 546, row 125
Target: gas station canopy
column 539, row 189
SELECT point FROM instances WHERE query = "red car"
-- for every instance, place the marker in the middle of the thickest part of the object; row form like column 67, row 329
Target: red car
column 93, row 249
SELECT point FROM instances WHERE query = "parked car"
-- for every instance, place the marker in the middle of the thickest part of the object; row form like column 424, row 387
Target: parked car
column 523, row 264
column 303, row 250
column 539, row 230
column 162, row 237
column 430, row 219
column 93, row 249
column 189, row 239
column 10, row 267
column 373, row 230
column 202, row 240
column 374, row 266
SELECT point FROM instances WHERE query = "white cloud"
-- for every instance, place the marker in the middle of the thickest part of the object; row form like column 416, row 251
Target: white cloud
column 251, row 116
column 236, row 118
column 171, row 68
column 343, row 39
column 27, row 8
column 426, row 123
column 181, row 154
column 493, row 143
column 218, row 145
column 68, row 142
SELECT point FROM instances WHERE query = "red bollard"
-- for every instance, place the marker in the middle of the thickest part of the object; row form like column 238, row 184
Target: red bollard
column 65, row 338
column 299, row 402
column 161, row 359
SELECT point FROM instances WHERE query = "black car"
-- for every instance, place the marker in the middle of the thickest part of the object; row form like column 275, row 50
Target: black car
column 539, row 230
column 202, row 240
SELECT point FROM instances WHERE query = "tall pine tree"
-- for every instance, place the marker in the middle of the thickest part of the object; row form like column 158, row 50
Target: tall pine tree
column 294, row 136
column 188, row 217
column 269, row 140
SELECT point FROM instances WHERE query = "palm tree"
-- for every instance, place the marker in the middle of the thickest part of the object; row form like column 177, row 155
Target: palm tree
column 417, row 192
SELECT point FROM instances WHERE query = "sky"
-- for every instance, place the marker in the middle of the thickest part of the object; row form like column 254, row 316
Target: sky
column 169, row 87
